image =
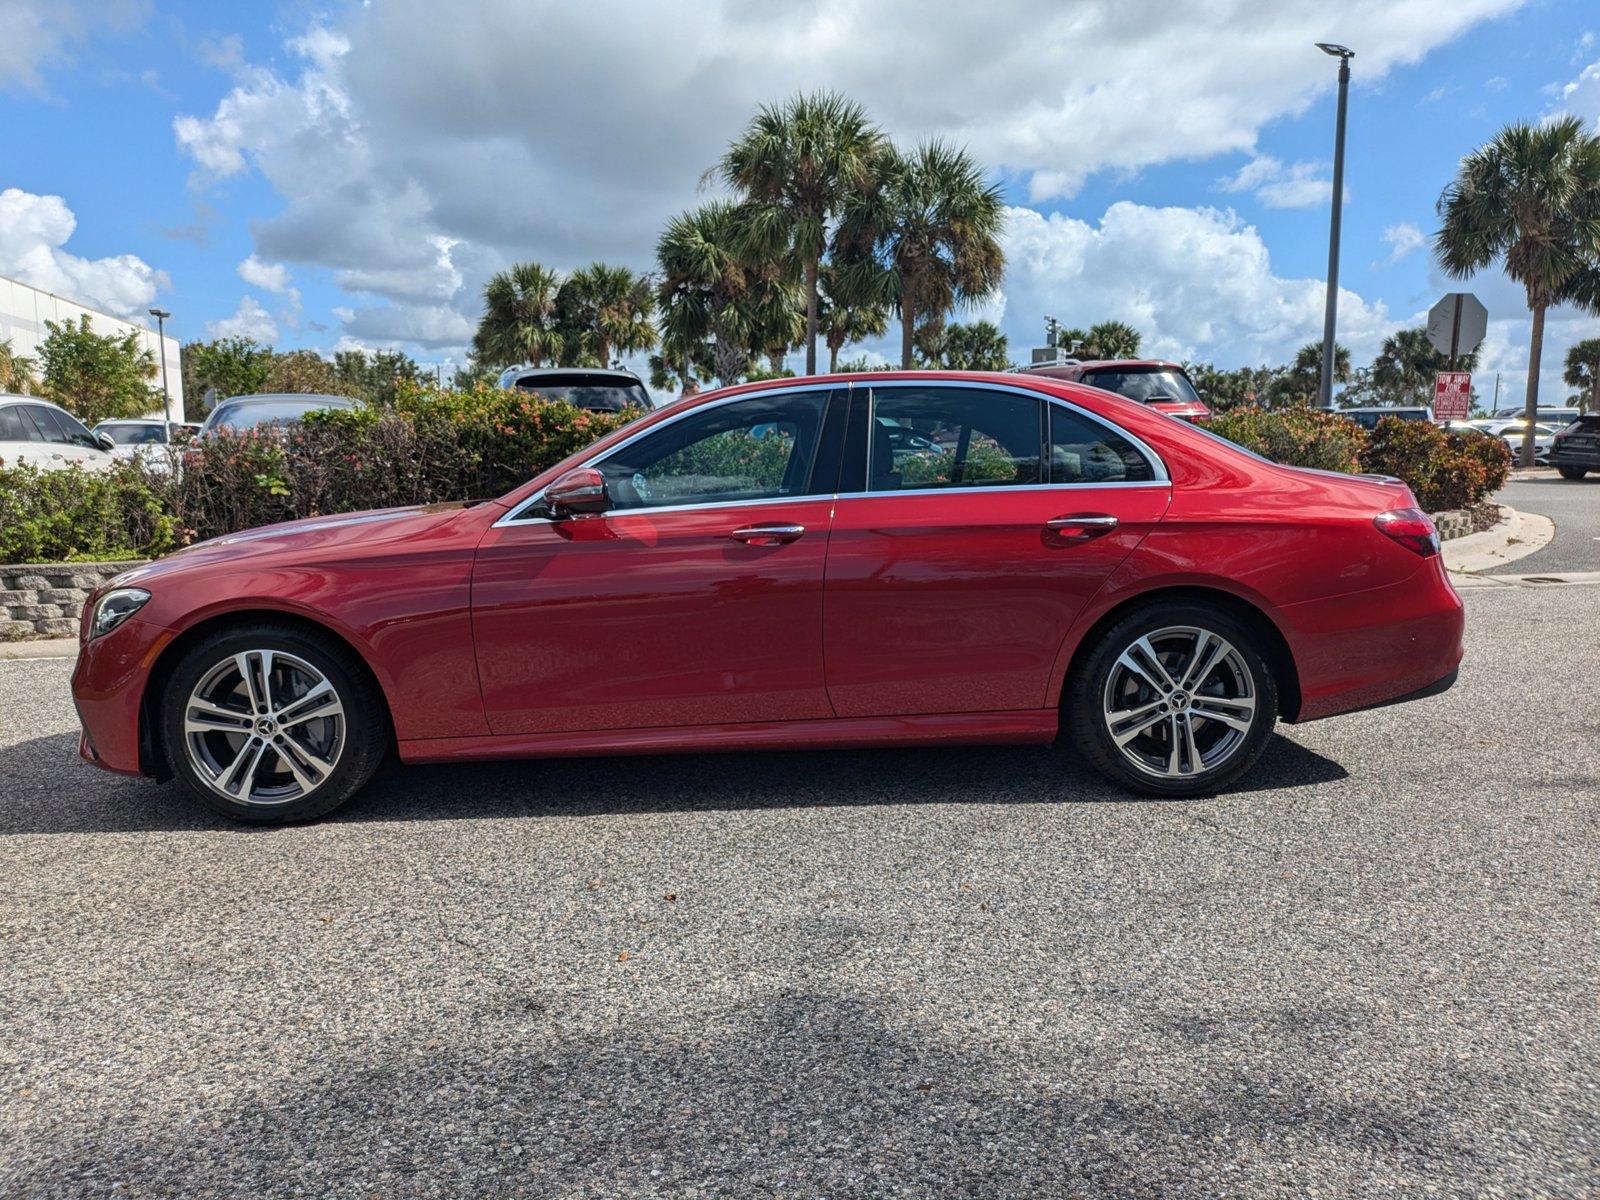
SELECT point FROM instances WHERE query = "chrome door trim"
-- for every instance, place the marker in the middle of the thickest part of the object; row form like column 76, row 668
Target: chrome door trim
column 514, row 517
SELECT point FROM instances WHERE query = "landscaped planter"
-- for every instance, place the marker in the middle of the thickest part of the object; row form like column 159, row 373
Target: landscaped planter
column 1459, row 522
column 45, row 599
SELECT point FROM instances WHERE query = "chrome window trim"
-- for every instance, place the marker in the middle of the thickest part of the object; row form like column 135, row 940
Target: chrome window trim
column 1163, row 479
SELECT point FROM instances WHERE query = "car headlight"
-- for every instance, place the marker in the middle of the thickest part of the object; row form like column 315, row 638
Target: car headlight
column 115, row 607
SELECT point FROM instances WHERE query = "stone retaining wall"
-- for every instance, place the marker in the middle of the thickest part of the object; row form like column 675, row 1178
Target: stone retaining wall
column 46, row 599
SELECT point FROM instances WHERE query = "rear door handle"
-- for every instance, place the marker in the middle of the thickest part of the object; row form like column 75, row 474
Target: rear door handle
column 767, row 535
column 1082, row 525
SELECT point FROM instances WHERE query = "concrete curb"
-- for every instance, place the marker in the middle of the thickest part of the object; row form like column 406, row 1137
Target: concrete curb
column 1516, row 535
column 39, row 648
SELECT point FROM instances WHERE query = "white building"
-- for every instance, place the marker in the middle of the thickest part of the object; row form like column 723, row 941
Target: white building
column 25, row 309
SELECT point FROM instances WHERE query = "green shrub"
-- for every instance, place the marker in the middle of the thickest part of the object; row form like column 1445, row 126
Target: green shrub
column 1296, row 437
column 1443, row 470
column 431, row 446
column 58, row 516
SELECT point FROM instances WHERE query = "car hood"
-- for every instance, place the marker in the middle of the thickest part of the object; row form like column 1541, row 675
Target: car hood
column 312, row 538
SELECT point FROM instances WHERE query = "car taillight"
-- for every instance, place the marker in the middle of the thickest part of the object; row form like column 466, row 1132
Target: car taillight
column 1411, row 527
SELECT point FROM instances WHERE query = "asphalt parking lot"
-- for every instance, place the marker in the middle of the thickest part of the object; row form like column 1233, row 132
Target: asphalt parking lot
column 1574, row 506
column 912, row 973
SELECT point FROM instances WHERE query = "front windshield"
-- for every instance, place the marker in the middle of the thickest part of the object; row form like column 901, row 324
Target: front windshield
column 1144, row 383
column 134, row 435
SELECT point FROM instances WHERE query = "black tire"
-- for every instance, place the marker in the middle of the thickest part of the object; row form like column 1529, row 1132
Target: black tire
column 1573, row 472
column 355, row 745
column 1092, row 693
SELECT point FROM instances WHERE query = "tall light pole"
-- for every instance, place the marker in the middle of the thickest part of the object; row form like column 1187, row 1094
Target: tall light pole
column 1325, row 391
column 161, row 315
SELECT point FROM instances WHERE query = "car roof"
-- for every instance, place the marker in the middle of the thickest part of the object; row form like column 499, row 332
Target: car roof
column 131, row 421
column 1099, row 364
column 609, row 373
column 278, row 397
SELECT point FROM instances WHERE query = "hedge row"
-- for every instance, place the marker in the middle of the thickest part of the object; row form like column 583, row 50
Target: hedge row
column 1444, row 470
column 433, row 446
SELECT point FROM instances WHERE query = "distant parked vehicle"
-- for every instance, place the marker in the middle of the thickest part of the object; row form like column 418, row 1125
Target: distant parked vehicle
column 1547, row 416
column 1575, row 450
column 47, row 436
column 241, row 414
column 593, row 389
column 1543, row 437
column 1164, row 386
column 1368, row 417
column 143, row 439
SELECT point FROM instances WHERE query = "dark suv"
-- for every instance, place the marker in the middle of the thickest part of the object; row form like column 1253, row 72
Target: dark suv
column 1576, row 449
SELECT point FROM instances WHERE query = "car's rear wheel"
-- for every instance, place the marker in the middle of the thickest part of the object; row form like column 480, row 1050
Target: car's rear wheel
column 1573, row 472
column 1175, row 699
column 270, row 723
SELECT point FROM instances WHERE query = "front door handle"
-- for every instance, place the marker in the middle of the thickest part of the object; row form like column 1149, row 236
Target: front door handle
column 1082, row 526
column 767, row 535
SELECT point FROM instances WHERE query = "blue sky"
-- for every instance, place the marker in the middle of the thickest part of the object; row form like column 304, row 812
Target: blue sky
column 349, row 175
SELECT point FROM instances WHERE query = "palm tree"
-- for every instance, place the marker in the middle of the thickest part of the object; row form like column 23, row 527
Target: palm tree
column 976, row 347
column 845, row 321
column 1305, row 374
column 17, row 374
column 925, row 239
column 1112, row 339
column 519, row 319
column 715, row 298
column 1530, row 199
column 1583, row 371
column 604, row 311
column 1403, row 372
column 795, row 165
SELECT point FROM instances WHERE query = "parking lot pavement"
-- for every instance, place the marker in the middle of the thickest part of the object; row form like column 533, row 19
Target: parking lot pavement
column 1574, row 505
column 927, row 972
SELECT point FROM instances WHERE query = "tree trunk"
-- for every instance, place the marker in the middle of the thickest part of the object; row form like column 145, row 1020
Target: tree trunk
column 908, row 321
column 811, row 317
column 1594, row 386
column 605, row 351
column 833, row 359
column 1530, row 407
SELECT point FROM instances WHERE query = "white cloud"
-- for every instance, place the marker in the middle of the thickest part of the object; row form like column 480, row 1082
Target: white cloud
column 41, row 34
column 33, row 230
column 1198, row 283
column 1403, row 238
column 250, row 320
column 436, row 326
column 414, row 191
column 269, row 277
column 1296, row 185
column 1582, row 95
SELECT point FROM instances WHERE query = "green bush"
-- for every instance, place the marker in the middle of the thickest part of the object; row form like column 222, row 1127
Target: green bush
column 431, row 446
column 1296, row 436
column 1443, row 470
column 59, row 516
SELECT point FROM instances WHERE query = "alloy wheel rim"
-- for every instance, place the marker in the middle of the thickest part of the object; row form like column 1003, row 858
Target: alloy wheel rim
column 264, row 728
column 1179, row 702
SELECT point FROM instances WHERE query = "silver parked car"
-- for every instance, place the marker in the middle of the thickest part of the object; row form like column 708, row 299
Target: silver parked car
column 582, row 387
column 240, row 414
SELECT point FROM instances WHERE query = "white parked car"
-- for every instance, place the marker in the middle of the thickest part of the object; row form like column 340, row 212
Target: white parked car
column 47, row 436
column 1543, row 437
column 146, row 439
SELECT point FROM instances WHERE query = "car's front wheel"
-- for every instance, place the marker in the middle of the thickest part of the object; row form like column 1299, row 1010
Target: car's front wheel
column 271, row 723
column 1175, row 699
column 1573, row 472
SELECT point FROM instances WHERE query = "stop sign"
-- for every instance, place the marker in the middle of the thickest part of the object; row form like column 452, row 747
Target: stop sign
column 1460, row 318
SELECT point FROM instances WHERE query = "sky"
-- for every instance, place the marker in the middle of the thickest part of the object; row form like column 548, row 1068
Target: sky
column 350, row 174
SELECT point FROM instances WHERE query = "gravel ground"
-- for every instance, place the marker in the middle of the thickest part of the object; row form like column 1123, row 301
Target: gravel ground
column 925, row 973
column 1574, row 505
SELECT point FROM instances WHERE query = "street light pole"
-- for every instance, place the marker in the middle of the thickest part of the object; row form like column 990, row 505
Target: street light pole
column 1330, row 316
column 161, row 315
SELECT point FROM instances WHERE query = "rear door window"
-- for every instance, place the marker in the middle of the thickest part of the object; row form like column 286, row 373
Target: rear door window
column 1085, row 451
column 12, row 427
column 921, row 438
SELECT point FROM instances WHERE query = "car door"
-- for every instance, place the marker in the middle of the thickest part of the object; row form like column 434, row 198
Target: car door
column 67, row 442
column 955, row 575
column 695, row 600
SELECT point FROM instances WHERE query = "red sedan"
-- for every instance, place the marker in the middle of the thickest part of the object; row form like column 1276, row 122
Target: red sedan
column 838, row 561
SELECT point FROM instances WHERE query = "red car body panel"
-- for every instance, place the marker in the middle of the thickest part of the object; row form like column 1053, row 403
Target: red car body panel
column 895, row 617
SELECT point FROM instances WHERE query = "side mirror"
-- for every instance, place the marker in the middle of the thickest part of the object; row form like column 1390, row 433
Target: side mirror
column 580, row 492
column 103, row 440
